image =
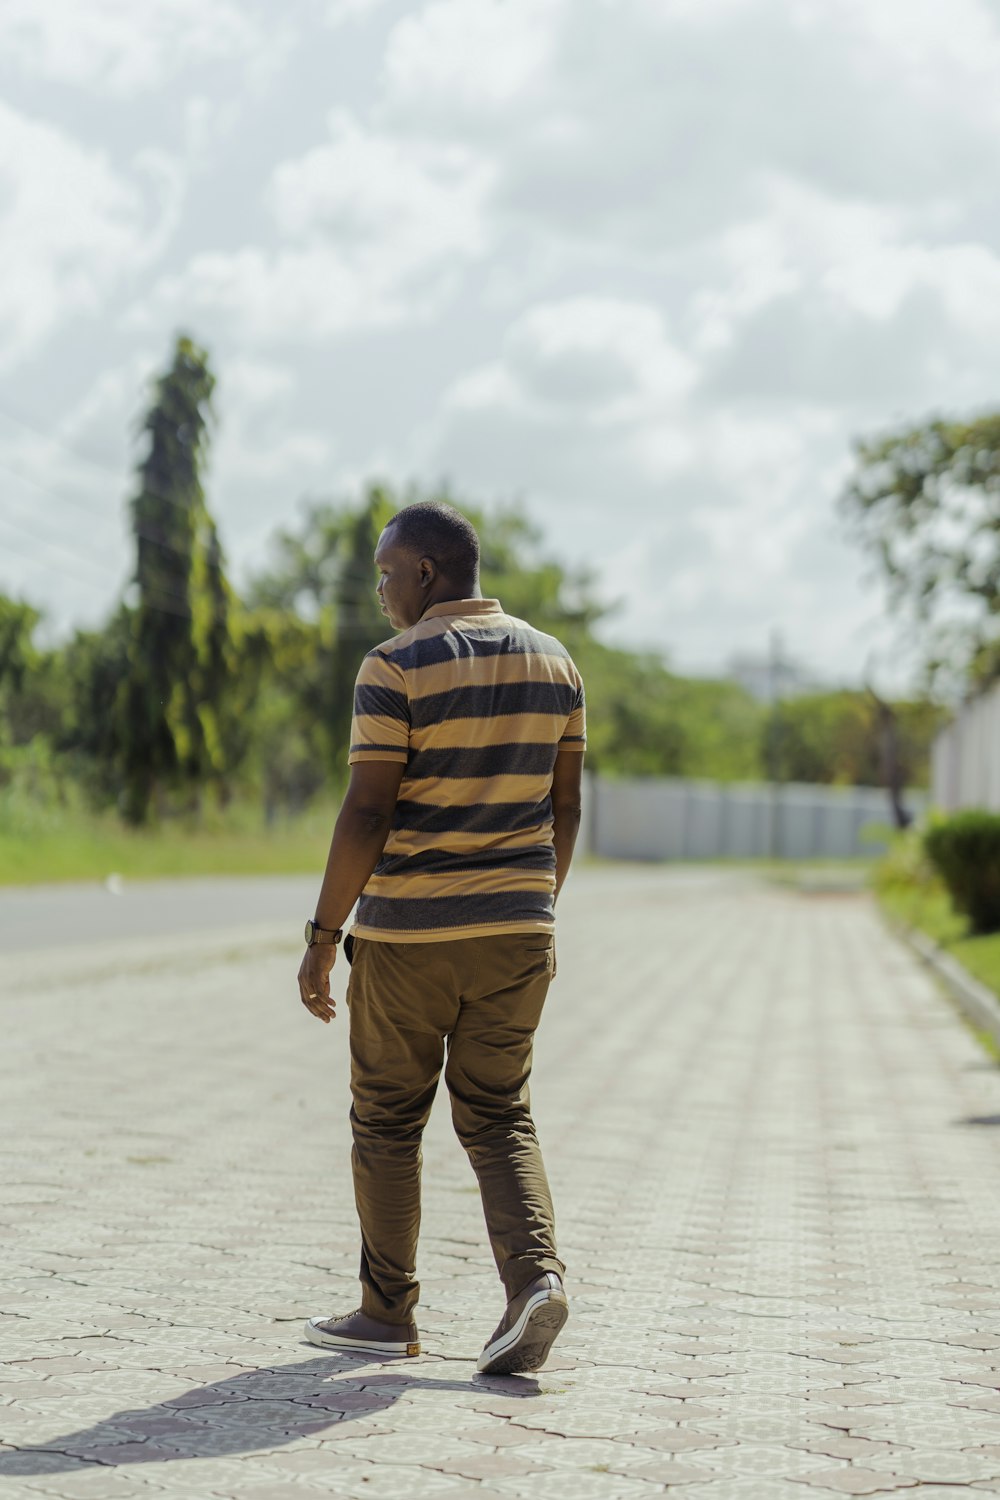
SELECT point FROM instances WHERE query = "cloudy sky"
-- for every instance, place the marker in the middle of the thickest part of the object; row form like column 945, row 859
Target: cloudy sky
column 646, row 265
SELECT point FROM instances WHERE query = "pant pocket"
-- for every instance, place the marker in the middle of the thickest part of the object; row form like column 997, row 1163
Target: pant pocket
column 536, row 946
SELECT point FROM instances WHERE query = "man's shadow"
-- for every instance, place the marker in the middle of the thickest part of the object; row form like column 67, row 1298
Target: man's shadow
column 259, row 1409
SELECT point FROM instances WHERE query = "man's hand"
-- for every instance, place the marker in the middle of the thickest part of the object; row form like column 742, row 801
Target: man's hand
column 314, row 980
column 359, row 837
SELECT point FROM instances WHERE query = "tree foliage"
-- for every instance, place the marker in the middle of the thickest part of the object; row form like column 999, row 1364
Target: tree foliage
column 925, row 502
column 172, row 707
column 838, row 738
column 189, row 689
column 31, row 684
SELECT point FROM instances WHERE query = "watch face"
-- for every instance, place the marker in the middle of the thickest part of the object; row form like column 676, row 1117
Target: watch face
column 309, row 932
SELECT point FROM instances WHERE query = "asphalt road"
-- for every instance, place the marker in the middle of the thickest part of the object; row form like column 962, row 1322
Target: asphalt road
column 37, row 916
column 32, row 916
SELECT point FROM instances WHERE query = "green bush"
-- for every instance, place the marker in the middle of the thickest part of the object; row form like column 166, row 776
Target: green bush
column 905, row 865
column 965, row 849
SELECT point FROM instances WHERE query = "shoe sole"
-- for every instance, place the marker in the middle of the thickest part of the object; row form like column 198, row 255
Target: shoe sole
column 335, row 1341
column 526, row 1346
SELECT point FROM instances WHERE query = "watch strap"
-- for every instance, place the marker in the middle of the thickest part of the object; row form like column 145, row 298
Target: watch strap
column 317, row 934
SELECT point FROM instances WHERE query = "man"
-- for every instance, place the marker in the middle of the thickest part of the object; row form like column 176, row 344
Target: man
column 456, row 833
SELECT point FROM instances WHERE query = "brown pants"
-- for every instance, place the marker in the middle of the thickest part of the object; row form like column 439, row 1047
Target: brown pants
column 484, row 996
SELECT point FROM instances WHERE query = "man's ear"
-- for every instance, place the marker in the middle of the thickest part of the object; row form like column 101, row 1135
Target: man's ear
column 428, row 571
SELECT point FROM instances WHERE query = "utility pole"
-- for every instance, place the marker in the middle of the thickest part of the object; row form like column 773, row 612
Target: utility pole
column 774, row 743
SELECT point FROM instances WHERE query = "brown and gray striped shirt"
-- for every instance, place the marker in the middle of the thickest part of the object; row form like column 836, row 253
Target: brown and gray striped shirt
column 477, row 705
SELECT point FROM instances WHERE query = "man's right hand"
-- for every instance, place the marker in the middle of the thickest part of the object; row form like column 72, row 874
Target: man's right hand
column 314, row 980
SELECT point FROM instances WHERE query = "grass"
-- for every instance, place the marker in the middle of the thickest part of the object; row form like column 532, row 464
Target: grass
column 929, row 909
column 43, row 843
column 74, row 845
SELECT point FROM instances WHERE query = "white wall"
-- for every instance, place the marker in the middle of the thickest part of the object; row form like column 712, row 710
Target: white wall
column 668, row 818
column 965, row 761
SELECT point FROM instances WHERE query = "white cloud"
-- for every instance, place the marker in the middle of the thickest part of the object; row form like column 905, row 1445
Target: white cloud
column 256, row 441
column 125, row 48
column 640, row 127
column 73, row 226
column 696, row 511
column 396, row 199
column 470, row 55
column 64, row 541
column 656, row 261
column 600, row 360
column 834, row 300
column 950, row 56
column 339, row 11
column 264, row 458
column 375, row 230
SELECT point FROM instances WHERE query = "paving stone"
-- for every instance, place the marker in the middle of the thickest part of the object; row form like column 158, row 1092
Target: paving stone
column 840, row 1445
column 574, row 1485
column 943, row 1467
column 679, row 1440
column 781, row 1256
column 489, row 1465
column 673, row 1473
column 855, row 1481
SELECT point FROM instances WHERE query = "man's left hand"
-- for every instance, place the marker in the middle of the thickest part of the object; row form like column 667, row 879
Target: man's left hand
column 314, row 980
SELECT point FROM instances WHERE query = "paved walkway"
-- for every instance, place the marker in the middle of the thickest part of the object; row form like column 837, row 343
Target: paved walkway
column 775, row 1157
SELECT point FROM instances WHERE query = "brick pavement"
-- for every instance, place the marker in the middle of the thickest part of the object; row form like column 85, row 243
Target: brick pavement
column 775, row 1159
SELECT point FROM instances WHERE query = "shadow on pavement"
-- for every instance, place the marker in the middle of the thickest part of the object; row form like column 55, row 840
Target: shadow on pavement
column 256, row 1409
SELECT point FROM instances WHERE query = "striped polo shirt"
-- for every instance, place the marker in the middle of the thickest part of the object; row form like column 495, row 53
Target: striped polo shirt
column 477, row 705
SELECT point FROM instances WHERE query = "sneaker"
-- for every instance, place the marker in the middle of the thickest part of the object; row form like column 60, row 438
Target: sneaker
column 528, row 1329
column 364, row 1335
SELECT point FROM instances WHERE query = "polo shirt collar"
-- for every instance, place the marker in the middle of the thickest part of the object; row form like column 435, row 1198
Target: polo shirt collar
column 463, row 607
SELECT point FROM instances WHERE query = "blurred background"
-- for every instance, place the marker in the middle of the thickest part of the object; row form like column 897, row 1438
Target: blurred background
column 693, row 307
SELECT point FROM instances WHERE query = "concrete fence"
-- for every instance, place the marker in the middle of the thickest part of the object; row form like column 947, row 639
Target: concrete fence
column 965, row 762
column 679, row 819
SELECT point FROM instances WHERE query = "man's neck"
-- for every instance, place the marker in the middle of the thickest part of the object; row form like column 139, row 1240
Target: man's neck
column 452, row 593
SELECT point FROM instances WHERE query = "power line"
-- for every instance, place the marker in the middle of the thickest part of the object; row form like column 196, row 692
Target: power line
column 120, row 480
column 84, row 557
column 53, row 546
column 63, row 572
column 137, row 530
column 351, row 570
column 55, row 442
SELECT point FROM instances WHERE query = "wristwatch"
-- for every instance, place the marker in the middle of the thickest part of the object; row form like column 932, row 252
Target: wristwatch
column 315, row 934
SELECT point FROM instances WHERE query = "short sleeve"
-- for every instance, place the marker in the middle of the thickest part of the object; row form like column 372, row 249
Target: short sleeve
column 380, row 729
column 574, row 736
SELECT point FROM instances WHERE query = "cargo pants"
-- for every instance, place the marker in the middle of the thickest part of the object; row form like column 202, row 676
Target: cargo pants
column 471, row 1007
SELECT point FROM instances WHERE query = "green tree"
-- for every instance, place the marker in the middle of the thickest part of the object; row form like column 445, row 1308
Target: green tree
column 643, row 720
column 18, row 666
column 31, row 687
column 839, row 738
column 325, row 577
column 97, row 664
column 172, row 706
column 925, row 502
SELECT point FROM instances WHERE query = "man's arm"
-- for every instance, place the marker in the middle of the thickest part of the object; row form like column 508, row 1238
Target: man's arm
column 566, row 809
column 359, row 836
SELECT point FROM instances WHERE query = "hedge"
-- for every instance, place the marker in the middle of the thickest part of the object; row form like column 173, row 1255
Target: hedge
column 965, row 850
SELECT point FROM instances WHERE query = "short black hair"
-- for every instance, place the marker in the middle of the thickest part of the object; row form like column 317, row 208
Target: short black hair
column 432, row 529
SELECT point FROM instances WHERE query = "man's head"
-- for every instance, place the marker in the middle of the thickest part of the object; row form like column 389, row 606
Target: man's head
column 427, row 554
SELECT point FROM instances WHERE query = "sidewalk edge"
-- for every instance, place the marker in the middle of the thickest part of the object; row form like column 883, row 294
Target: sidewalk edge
column 978, row 1003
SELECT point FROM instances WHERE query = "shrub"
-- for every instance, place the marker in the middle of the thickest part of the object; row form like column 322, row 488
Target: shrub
column 905, row 865
column 966, row 850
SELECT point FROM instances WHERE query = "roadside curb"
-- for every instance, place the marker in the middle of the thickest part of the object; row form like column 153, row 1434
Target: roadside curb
column 978, row 1003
